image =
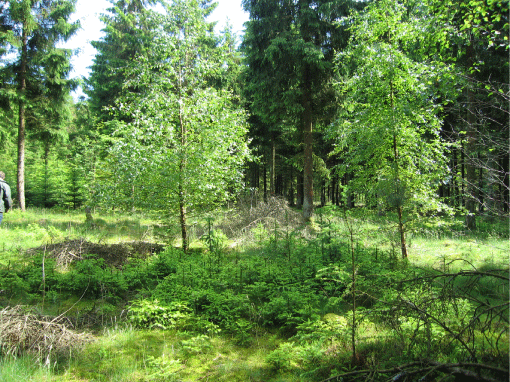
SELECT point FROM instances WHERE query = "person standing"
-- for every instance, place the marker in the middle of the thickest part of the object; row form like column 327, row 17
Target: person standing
column 5, row 196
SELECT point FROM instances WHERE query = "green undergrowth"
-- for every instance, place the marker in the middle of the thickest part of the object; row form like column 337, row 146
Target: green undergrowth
column 293, row 303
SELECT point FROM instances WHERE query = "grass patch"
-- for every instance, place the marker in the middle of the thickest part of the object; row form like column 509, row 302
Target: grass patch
column 275, row 307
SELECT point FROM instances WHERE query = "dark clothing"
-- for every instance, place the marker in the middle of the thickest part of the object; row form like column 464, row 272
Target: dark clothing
column 5, row 197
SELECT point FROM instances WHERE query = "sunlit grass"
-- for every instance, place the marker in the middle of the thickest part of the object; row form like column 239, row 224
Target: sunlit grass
column 456, row 254
column 37, row 227
column 125, row 354
column 23, row 369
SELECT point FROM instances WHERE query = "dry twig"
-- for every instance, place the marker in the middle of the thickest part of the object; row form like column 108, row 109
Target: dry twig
column 24, row 332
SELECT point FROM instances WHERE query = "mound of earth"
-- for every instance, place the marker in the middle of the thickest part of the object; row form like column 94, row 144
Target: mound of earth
column 114, row 255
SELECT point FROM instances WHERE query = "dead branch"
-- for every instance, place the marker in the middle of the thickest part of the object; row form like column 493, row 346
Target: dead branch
column 429, row 367
column 24, row 332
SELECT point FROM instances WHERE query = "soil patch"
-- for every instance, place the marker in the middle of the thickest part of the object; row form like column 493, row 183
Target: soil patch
column 114, row 255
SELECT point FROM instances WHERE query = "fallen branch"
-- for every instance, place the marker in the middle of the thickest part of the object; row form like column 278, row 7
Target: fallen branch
column 429, row 367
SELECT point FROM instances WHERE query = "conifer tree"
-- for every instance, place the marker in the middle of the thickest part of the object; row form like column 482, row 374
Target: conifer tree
column 127, row 35
column 35, row 82
column 290, row 47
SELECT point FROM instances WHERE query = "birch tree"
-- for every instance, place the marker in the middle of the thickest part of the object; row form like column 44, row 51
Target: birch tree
column 391, row 90
column 185, row 148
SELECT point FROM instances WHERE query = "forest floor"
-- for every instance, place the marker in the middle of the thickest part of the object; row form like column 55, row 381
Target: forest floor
column 260, row 297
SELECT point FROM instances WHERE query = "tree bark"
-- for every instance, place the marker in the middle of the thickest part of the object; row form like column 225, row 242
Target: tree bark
column 401, row 228
column 505, row 185
column 182, row 192
column 21, row 125
column 470, row 147
column 182, row 211
column 398, row 191
column 308, row 146
column 291, row 187
column 272, row 170
column 299, row 190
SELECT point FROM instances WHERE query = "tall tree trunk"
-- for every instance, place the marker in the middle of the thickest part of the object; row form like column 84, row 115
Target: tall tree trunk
column 21, row 125
column 182, row 212
column 308, row 146
column 272, row 170
column 398, row 190
column 505, row 184
column 291, row 186
column 46, row 173
column 333, row 189
column 455, row 184
column 299, row 189
column 470, row 147
column 182, row 192
column 265, row 182
column 350, row 202
column 323, row 193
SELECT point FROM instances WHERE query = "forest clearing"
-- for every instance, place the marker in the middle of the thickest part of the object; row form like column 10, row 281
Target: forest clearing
column 279, row 301
column 323, row 197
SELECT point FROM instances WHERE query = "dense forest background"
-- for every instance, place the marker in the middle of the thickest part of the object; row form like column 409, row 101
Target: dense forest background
column 394, row 105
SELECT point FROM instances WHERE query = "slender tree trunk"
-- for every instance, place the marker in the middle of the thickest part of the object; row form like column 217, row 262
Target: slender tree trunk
column 254, row 173
column 272, row 170
column 323, row 194
column 265, row 182
column 481, row 189
column 46, row 173
column 398, row 189
column 21, row 125
column 182, row 191
column 308, row 146
column 291, row 187
column 182, row 211
column 471, row 180
column 350, row 200
column 333, row 189
column 505, row 184
column 455, row 185
column 401, row 228
column 470, row 147
column 299, row 190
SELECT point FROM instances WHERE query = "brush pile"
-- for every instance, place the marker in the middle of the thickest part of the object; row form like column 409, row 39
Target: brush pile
column 250, row 214
column 114, row 255
column 22, row 332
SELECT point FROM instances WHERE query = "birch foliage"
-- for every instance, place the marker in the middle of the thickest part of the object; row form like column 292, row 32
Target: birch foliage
column 186, row 145
column 392, row 92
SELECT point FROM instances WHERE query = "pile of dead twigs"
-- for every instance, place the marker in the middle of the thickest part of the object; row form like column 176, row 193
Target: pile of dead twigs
column 23, row 332
column 270, row 213
column 114, row 255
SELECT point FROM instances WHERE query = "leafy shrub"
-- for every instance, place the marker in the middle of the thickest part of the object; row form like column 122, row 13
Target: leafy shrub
column 164, row 264
column 12, row 284
column 150, row 314
column 284, row 358
column 162, row 369
column 328, row 329
column 37, row 269
column 214, row 239
column 92, row 278
column 196, row 345
column 226, row 308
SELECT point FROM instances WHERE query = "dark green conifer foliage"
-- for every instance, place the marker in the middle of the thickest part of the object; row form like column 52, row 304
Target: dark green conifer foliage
column 127, row 35
column 289, row 47
column 35, row 81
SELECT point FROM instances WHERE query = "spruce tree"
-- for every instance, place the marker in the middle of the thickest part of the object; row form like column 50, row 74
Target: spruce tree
column 290, row 47
column 36, row 81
